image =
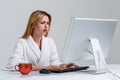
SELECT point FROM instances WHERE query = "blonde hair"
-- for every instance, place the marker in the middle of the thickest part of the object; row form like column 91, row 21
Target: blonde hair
column 34, row 18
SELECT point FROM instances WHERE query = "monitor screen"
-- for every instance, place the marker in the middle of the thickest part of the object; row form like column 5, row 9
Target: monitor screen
column 76, row 47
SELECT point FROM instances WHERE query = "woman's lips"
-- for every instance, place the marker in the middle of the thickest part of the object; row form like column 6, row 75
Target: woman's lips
column 45, row 30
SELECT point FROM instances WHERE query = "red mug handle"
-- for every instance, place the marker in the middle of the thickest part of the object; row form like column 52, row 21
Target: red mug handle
column 16, row 68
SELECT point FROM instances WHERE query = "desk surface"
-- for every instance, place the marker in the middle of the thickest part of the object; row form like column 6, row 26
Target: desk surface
column 79, row 75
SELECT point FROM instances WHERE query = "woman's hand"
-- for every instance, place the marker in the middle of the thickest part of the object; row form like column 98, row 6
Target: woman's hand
column 51, row 67
column 72, row 65
column 68, row 65
column 63, row 66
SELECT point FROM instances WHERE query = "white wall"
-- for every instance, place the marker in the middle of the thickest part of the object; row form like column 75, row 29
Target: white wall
column 14, row 16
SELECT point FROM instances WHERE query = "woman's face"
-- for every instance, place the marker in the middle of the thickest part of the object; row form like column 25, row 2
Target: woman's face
column 41, row 27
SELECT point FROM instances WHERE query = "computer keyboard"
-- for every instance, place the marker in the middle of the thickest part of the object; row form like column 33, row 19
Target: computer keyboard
column 70, row 69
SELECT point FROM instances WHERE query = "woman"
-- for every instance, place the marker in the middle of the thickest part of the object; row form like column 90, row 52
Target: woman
column 35, row 46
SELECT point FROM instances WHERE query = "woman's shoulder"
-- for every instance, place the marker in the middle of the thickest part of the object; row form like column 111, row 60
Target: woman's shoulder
column 21, row 40
column 49, row 39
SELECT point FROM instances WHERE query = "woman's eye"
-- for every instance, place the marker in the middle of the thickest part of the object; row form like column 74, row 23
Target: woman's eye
column 48, row 23
column 42, row 22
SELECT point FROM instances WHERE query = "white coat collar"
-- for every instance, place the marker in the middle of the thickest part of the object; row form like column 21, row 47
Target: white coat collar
column 34, row 47
column 40, row 54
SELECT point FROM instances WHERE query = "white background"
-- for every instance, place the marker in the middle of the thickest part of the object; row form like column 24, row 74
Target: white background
column 14, row 15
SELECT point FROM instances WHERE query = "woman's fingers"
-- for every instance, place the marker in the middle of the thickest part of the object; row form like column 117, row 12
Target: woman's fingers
column 72, row 65
column 63, row 66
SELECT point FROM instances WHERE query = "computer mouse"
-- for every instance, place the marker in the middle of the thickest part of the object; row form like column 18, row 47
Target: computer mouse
column 44, row 71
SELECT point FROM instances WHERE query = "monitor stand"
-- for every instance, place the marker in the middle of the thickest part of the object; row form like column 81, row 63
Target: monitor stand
column 95, row 49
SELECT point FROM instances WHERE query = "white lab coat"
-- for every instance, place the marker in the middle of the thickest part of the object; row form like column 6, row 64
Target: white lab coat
column 27, row 51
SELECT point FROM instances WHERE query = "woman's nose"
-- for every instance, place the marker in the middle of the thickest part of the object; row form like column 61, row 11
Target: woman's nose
column 46, row 25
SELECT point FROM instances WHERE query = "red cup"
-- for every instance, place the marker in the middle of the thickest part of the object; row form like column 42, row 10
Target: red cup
column 24, row 68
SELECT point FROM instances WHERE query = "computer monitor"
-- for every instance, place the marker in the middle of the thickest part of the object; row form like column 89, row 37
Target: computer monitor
column 86, row 36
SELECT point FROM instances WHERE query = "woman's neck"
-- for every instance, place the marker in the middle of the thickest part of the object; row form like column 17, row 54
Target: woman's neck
column 37, row 39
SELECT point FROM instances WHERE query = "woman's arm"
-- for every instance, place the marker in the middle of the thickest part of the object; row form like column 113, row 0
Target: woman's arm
column 51, row 67
column 17, row 56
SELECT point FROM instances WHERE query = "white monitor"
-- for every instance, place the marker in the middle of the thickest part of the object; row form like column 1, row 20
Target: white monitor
column 86, row 36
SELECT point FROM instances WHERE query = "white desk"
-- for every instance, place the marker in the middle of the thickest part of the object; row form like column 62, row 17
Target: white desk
column 79, row 75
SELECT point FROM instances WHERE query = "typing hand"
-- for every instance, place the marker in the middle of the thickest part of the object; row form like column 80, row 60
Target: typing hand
column 63, row 66
column 72, row 65
column 68, row 65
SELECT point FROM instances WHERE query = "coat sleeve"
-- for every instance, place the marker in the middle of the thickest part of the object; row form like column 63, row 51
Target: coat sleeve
column 18, row 55
column 54, row 57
